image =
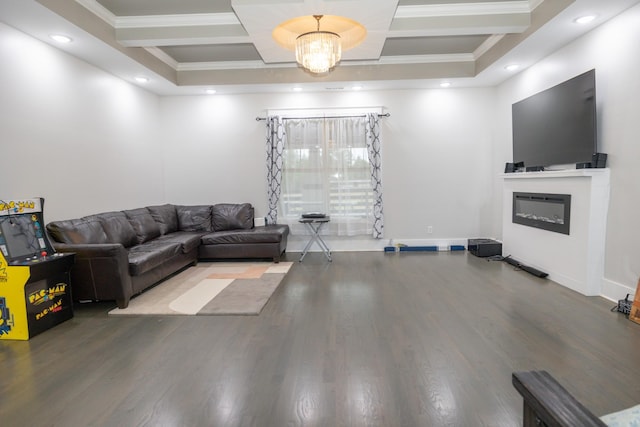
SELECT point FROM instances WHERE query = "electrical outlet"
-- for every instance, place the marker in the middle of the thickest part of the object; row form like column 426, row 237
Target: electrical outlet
column 430, row 229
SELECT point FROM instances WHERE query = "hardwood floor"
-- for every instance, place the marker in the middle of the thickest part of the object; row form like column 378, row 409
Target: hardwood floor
column 371, row 339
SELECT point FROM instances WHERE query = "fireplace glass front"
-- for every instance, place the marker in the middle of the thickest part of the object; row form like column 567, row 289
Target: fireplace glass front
column 550, row 212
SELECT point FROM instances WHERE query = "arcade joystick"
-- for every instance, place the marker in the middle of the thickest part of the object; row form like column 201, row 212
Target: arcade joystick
column 43, row 254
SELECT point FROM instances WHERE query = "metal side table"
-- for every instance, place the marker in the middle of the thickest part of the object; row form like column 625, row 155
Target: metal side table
column 315, row 225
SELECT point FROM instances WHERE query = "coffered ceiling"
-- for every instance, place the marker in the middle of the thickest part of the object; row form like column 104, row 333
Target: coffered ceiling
column 184, row 46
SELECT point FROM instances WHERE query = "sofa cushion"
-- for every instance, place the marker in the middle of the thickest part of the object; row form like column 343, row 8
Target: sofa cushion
column 117, row 227
column 145, row 257
column 188, row 240
column 194, row 218
column 232, row 216
column 166, row 217
column 77, row 231
column 266, row 234
column 143, row 224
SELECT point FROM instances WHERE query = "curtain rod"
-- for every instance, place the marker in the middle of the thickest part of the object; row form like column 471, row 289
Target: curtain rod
column 324, row 117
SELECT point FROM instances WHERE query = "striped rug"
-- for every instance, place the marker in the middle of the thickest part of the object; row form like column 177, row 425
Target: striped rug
column 211, row 288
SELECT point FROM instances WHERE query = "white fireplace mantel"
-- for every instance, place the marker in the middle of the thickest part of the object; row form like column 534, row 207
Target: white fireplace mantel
column 575, row 260
column 601, row 173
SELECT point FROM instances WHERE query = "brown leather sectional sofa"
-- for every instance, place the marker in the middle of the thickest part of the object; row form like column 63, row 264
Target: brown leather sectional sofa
column 120, row 254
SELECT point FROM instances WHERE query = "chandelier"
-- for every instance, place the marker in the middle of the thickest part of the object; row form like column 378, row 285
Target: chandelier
column 318, row 51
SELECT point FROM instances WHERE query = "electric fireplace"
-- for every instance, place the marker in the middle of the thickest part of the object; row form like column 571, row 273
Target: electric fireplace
column 551, row 212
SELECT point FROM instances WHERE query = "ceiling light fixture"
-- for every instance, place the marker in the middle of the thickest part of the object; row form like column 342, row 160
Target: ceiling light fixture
column 210, row 91
column 318, row 51
column 585, row 19
column 512, row 67
column 61, row 38
column 445, row 84
column 142, row 79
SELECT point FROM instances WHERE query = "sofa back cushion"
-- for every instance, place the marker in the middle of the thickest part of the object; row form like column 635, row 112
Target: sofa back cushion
column 143, row 224
column 77, row 231
column 166, row 217
column 194, row 218
column 117, row 227
column 232, row 216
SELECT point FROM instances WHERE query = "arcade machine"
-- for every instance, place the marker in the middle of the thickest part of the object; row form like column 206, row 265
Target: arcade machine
column 35, row 291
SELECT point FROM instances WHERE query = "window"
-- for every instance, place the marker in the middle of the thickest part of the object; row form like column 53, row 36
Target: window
column 326, row 169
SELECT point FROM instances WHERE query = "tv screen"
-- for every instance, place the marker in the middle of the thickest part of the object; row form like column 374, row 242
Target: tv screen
column 557, row 126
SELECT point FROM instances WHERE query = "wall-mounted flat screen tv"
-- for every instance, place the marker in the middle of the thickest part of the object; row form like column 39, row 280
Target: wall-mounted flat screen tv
column 557, row 126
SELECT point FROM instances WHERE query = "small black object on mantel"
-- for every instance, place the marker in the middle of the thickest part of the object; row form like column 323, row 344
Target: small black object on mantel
column 513, row 167
column 599, row 160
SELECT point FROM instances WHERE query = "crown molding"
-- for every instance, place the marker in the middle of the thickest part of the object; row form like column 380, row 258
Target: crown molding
column 419, row 59
column 100, row 11
column 162, row 56
column 385, row 60
column 487, row 44
column 231, row 65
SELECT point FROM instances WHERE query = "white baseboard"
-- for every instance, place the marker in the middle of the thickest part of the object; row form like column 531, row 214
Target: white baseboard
column 352, row 244
column 615, row 291
column 441, row 244
column 337, row 244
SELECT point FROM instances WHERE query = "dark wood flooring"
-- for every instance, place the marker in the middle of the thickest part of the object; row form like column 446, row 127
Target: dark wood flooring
column 371, row 339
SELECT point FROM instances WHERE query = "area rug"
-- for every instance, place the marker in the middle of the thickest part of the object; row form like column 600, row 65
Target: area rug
column 211, row 288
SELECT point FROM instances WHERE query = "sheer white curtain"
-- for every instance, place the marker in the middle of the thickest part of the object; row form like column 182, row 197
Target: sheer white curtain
column 326, row 169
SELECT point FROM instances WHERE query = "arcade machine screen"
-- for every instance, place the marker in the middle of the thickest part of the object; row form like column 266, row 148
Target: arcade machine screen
column 21, row 232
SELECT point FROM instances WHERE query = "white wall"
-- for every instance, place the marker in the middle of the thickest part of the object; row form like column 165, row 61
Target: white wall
column 89, row 142
column 84, row 140
column 436, row 154
column 612, row 50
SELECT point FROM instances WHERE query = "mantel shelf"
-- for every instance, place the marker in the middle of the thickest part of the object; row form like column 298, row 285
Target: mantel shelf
column 568, row 173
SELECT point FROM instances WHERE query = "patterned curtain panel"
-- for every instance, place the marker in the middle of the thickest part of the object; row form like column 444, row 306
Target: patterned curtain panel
column 275, row 147
column 373, row 149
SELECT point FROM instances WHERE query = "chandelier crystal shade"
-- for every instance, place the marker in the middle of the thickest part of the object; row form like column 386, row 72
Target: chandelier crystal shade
column 318, row 51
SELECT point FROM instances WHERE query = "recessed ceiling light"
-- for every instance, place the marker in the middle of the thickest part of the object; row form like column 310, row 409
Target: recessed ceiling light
column 297, row 89
column 142, row 79
column 210, row 91
column 512, row 67
column 445, row 84
column 585, row 19
column 61, row 38
column 356, row 87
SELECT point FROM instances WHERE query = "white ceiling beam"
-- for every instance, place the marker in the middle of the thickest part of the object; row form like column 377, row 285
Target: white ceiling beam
column 182, row 36
column 180, row 30
column 424, row 26
column 464, row 9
